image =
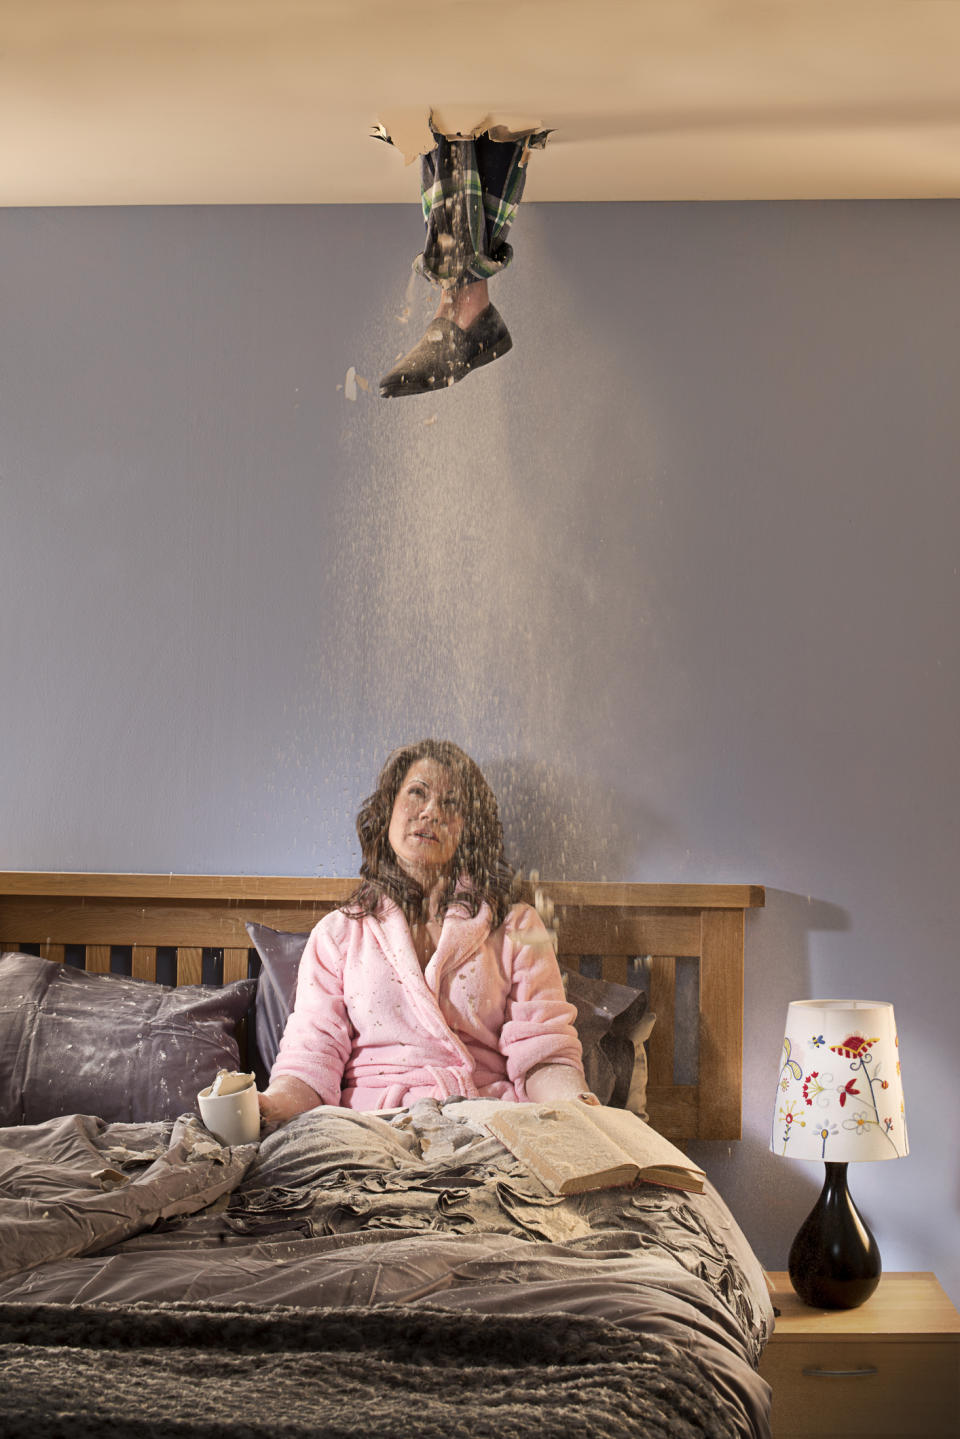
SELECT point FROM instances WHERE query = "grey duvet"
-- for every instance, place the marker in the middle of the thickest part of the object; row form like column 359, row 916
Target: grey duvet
column 359, row 1275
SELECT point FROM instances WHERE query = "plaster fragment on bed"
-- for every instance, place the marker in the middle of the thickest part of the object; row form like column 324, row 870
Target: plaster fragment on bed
column 110, row 1179
column 438, row 1136
column 196, row 1144
column 350, row 384
column 471, row 1112
column 123, row 1154
column 431, row 421
column 543, row 1215
column 210, row 1150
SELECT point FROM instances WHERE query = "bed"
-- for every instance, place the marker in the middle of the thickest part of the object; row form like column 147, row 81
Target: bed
column 353, row 1274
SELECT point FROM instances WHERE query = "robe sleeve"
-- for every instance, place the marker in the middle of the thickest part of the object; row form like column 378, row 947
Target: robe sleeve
column 318, row 1037
column 538, row 1023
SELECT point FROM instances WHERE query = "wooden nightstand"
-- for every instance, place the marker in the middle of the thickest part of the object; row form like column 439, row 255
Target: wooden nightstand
column 891, row 1367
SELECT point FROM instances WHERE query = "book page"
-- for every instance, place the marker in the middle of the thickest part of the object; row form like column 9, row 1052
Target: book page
column 559, row 1145
column 639, row 1141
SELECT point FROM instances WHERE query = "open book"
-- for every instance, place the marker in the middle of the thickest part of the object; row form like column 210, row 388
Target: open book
column 572, row 1147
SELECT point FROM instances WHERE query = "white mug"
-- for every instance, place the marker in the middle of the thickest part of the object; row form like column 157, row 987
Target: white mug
column 233, row 1114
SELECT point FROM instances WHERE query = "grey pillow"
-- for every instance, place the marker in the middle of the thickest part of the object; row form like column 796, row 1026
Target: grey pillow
column 612, row 1019
column 279, row 953
column 122, row 1049
column 613, row 1023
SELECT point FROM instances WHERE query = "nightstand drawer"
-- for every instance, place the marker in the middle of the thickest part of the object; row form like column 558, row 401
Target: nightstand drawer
column 862, row 1386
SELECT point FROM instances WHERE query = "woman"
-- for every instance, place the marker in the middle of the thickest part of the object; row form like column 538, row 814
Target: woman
column 427, row 982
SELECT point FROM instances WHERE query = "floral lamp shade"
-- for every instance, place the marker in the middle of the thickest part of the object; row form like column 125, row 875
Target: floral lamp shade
column 839, row 1096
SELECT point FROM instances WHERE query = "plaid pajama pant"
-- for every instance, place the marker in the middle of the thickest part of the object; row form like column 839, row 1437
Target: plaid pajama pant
column 470, row 190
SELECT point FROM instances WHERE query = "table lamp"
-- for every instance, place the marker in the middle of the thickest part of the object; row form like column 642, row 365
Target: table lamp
column 839, row 1099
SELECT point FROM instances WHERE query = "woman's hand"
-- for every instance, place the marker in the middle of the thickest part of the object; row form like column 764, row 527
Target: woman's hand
column 284, row 1098
column 552, row 1083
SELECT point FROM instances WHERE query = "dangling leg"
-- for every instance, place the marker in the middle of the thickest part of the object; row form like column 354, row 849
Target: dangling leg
column 470, row 190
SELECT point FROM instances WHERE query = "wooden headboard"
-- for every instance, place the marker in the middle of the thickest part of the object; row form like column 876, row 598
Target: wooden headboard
column 683, row 943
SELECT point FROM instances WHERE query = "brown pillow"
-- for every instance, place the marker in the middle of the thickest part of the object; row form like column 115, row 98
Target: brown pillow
column 122, row 1049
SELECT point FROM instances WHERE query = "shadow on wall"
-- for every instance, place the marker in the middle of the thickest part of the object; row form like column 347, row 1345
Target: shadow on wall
column 770, row 1195
column 570, row 825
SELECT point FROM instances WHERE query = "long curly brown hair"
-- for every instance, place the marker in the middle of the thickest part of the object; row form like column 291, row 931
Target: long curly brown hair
column 479, row 865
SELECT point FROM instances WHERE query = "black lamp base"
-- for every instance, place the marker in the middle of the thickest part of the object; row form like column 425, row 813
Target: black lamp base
column 834, row 1260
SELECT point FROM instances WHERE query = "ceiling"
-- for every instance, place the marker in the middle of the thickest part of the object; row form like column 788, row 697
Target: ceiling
column 144, row 102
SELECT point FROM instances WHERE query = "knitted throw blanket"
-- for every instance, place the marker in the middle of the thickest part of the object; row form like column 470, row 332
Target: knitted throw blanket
column 390, row 1372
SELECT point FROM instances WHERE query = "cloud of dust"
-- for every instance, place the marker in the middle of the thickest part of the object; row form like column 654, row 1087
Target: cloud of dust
column 464, row 603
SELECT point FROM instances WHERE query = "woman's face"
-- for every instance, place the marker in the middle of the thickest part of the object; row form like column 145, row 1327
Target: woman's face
column 427, row 822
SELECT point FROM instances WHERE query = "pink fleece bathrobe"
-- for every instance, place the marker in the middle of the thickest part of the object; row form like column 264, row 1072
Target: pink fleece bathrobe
column 370, row 1030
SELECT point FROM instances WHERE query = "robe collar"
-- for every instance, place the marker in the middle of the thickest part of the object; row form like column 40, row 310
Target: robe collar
column 461, row 935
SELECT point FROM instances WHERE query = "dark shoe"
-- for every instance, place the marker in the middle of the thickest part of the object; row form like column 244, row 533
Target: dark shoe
column 446, row 354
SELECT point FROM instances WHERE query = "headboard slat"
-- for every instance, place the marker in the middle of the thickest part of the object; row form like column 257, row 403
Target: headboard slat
column 674, row 1111
column 189, row 964
column 614, row 968
column 661, row 999
column 98, row 959
column 721, row 1019
column 143, row 962
column 235, row 963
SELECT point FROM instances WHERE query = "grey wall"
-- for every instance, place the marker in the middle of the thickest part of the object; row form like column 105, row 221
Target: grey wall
column 681, row 571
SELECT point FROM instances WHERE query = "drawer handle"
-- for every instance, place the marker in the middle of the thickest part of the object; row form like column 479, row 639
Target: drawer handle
column 812, row 1371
